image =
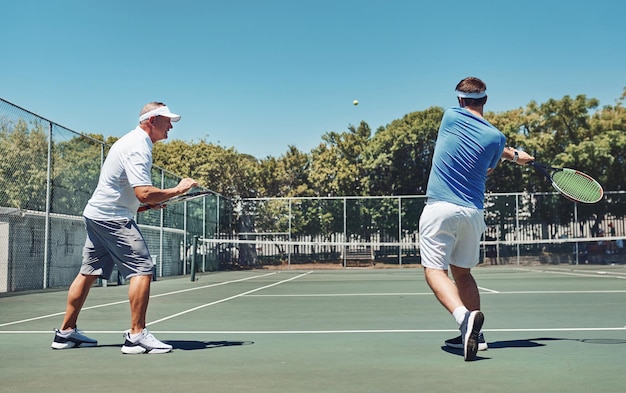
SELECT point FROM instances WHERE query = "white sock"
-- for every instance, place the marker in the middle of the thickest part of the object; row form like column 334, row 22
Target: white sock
column 459, row 314
column 134, row 337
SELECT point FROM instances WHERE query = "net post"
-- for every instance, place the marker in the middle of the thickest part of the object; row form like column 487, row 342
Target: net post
column 194, row 247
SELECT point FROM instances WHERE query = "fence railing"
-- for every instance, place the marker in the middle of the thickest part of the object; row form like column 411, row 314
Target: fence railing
column 521, row 228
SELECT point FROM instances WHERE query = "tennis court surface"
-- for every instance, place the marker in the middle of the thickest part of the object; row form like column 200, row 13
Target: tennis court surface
column 549, row 329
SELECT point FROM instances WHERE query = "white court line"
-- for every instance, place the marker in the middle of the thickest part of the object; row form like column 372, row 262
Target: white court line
column 227, row 299
column 126, row 301
column 578, row 273
column 349, row 331
column 211, row 285
column 486, row 292
column 347, row 294
column 598, row 274
column 559, row 292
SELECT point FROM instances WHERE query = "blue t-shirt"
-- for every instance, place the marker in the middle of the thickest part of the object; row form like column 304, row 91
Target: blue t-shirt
column 467, row 146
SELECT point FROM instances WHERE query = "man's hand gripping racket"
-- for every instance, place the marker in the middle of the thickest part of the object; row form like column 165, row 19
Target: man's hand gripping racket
column 183, row 187
column 177, row 199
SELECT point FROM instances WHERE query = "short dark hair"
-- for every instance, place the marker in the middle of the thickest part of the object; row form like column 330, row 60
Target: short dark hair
column 472, row 85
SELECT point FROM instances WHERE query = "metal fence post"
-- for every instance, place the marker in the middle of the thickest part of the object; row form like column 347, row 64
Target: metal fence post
column 194, row 246
column 46, row 241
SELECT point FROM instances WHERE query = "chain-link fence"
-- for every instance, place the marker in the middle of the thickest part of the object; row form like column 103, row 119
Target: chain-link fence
column 47, row 175
column 522, row 228
column 48, row 172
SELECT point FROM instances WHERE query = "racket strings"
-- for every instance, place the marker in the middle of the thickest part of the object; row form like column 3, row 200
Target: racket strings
column 577, row 186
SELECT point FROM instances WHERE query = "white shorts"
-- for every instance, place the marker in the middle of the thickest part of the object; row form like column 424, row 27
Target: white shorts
column 450, row 235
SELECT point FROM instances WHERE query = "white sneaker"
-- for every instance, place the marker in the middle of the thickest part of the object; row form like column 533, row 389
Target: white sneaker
column 145, row 343
column 470, row 329
column 72, row 339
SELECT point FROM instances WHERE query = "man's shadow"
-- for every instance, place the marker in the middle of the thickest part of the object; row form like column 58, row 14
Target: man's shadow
column 528, row 343
column 531, row 343
column 192, row 345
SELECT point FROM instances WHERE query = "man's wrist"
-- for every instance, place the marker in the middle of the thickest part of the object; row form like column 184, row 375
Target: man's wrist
column 513, row 158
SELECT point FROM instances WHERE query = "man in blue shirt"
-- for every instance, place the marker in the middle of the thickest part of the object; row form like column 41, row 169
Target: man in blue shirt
column 468, row 148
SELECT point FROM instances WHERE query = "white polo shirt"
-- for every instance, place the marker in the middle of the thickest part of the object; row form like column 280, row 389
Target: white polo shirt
column 127, row 165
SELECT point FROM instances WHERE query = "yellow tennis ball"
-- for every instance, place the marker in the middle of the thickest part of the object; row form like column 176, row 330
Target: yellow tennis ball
column 355, row 102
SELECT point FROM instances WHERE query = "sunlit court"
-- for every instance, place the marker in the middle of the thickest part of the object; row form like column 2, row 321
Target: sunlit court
column 342, row 330
column 312, row 197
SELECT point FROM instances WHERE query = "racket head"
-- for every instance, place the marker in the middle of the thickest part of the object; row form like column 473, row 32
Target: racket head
column 577, row 186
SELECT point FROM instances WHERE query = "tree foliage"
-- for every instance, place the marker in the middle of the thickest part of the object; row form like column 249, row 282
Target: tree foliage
column 398, row 157
column 337, row 163
column 23, row 167
column 75, row 172
column 221, row 169
column 395, row 160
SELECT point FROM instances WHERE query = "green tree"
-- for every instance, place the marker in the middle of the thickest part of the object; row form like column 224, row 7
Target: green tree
column 559, row 123
column 77, row 165
column 514, row 124
column 399, row 156
column 337, row 167
column 285, row 176
column 228, row 172
column 222, row 170
column 559, row 133
column 23, row 168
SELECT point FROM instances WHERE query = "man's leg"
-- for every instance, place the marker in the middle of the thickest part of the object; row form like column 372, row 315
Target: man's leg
column 76, row 297
column 69, row 336
column 138, row 339
column 450, row 295
column 472, row 339
column 466, row 287
column 138, row 295
column 444, row 288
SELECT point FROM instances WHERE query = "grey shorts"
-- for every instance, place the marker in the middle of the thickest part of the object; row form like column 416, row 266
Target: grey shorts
column 112, row 243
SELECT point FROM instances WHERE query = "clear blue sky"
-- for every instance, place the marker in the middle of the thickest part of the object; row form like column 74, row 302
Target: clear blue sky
column 262, row 75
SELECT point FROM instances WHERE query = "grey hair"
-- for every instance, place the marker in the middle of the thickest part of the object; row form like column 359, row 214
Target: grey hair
column 150, row 106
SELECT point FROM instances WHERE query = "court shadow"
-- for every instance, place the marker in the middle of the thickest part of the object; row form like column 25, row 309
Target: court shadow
column 525, row 343
column 191, row 345
column 533, row 343
column 109, row 345
column 606, row 341
column 536, row 342
column 459, row 352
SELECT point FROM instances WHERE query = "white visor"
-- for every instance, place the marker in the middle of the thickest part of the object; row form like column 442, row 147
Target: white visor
column 462, row 94
column 160, row 111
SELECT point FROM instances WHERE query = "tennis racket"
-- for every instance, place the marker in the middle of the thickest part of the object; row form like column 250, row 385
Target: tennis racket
column 177, row 199
column 572, row 184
